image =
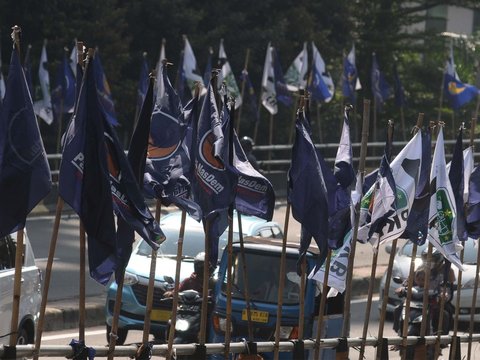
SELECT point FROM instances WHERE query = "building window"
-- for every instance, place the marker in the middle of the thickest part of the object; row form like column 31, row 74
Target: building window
column 436, row 19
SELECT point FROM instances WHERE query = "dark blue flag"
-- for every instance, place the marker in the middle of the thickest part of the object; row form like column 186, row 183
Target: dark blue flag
column 380, row 87
column 458, row 93
column 349, row 76
column 283, row 95
column 252, row 99
column 97, row 179
column 456, row 177
column 142, row 83
column 215, row 179
column 473, row 205
column 25, row 177
column 169, row 170
column 399, row 91
column 307, row 191
column 63, row 95
column 103, row 90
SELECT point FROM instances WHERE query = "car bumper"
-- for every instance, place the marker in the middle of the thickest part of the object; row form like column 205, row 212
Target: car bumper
column 465, row 305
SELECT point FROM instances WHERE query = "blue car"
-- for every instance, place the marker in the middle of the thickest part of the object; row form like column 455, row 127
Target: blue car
column 134, row 295
column 262, row 258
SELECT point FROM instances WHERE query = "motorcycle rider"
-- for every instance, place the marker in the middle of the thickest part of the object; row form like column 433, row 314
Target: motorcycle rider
column 195, row 280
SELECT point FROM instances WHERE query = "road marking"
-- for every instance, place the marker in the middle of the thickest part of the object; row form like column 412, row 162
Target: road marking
column 72, row 335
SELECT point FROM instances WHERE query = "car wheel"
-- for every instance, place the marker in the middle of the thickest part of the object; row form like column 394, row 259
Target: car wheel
column 121, row 335
column 23, row 338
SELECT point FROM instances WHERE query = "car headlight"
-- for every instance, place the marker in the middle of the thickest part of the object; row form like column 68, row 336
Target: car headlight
column 288, row 332
column 130, row 279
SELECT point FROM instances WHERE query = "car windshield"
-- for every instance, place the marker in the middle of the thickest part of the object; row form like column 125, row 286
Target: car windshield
column 469, row 254
column 263, row 279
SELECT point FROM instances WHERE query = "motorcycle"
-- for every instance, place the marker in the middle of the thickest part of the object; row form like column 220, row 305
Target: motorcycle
column 415, row 316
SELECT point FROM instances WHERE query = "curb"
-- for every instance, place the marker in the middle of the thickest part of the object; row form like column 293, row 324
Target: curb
column 62, row 315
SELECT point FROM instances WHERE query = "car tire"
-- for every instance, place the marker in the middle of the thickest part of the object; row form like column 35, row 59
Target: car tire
column 23, row 337
column 121, row 335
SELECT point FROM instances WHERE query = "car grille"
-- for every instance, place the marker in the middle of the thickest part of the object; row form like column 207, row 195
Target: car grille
column 140, row 292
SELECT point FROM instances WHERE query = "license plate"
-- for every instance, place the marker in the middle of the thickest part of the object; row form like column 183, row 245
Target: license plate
column 160, row 315
column 255, row 315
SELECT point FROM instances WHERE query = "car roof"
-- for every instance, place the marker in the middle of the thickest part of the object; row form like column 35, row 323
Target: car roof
column 274, row 245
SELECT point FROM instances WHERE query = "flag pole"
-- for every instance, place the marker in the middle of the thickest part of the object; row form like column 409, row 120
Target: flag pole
column 323, row 300
column 374, row 266
column 351, row 257
column 81, row 300
column 281, row 283
column 17, row 284
column 393, row 251
column 245, row 68
column 48, row 273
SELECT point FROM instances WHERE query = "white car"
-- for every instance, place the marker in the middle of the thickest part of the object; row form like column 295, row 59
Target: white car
column 401, row 268
column 31, row 292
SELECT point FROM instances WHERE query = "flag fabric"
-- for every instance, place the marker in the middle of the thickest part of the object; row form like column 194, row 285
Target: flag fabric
column 307, row 190
column 296, row 73
column 321, row 88
column 398, row 89
column 468, row 166
column 27, row 68
column 350, row 82
column 405, row 170
column 104, row 92
column 180, row 83
column 74, row 58
column 96, row 179
column 417, row 222
column 281, row 89
column 442, row 232
column 168, row 175
column 43, row 107
column 252, row 99
column 457, row 92
column 190, row 69
column 159, row 90
column 143, row 82
column 25, row 177
column 343, row 170
column 207, row 75
column 2, row 81
column 255, row 195
column 450, row 68
column 269, row 92
column 380, row 87
column 473, row 205
column 216, row 180
column 63, row 94
column 226, row 76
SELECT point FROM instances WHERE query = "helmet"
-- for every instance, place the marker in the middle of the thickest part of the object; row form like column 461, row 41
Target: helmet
column 199, row 263
column 436, row 259
column 247, row 143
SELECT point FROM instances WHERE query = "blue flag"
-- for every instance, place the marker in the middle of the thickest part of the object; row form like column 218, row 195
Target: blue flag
column 216, row 179
column 456, row 176
column 63, row 95
column 473, row 205
column 169, row 170
column 380, row 87
column 307, row 191
column 25, row 177
column 142, row 83
column 96, row 179
column 103, row 90
column 283, row 95
column 399, row 91
column 207, row 75
column 252, row 99
column 349, row 76
column 458, row 93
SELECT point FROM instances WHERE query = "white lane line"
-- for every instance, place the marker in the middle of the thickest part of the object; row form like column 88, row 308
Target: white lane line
column 72, row 335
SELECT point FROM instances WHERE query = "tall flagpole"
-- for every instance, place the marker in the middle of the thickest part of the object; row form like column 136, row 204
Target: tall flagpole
column 351, row 257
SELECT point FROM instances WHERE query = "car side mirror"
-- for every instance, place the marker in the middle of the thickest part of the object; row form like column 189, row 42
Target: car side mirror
column 397, row 280
column 168, row 279
column 388, row 248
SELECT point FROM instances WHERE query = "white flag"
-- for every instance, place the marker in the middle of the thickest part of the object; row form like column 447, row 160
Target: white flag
column 227, row 76
column 43, row 107
column 320, row 68
column 295, row 75
column 190, row 69
column 442, row 232
column 351, row 59
column 159, row 87
column 269, row 94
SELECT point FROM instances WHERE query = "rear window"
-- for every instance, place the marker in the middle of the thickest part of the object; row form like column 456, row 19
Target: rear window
column 263, row 279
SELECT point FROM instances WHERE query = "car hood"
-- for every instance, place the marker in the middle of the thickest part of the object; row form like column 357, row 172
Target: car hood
column 165, row 267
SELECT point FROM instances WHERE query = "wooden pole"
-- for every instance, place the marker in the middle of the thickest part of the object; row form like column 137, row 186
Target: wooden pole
column 281, row 283
column 409, row 296
column 116, row 313
column 17, row 285
column 228, row 324
column 239, row 113
column 173, row 318
column 424, row 324
column 81, row 300
column 203, row 321
column 303, row 285
column 351, row 257
column 474, row 302
column 323, row 300
column 48, row 273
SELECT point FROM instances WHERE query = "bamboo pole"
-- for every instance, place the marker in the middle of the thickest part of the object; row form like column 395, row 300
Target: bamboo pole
column 409, row 296
column 351, row 257
column 81, row 300
column 17, row 285
column 116, row 313
column 474, row 302
column 321, row 309
column 239, row 113
column 301, row 315
column 48, row 273
column 424, row 324
column 270, row 140
column 203, row 321
column 173, row 318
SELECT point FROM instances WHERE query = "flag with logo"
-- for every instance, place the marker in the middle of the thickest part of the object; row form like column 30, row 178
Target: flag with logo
column 269, row 92
column 457, row 92
column 296, row 73
column 168, row 172
column 43, row 107
column 25, row 177
column 215, row 179
column 350, row 81
column 405, row 170
column 226, row 76
column 442, row 232
column 190, row 69
column 321, row 88
column 380, row 87
column 104, row 92
column 96, row 179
